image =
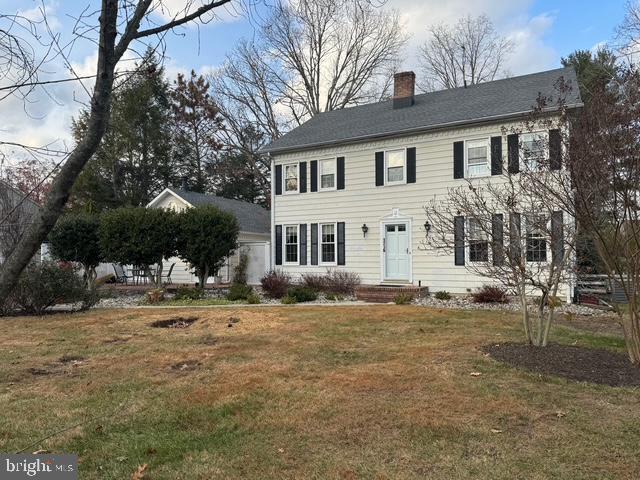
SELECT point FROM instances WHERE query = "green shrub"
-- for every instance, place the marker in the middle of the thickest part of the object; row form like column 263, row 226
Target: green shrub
column 240, row 270
column 188, row 293
column 76, row 238
column 442, row 295
column 302, row 294
column 239, row 291
column 253, row 299
column 490, row 294
column 334, row 297
column 275, row 283
column 44, row 285
column 287, row 300
column 403, row 299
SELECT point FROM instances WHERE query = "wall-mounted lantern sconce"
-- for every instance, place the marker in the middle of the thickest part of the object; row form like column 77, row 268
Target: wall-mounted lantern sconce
column 427, row 228
column 365, row 229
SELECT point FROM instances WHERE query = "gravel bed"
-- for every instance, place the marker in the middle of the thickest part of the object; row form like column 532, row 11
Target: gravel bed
column 466, row 303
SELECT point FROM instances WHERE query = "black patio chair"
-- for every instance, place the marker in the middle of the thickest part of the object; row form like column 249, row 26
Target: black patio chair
column 167, row 278
column 121, row 274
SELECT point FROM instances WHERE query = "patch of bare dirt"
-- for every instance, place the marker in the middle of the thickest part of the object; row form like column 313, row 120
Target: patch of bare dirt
column 186, row 366
column 582, row 364
column 65, row 365
column 176, row 322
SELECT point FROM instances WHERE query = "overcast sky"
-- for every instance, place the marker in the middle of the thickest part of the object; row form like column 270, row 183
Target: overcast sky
column 542, row 31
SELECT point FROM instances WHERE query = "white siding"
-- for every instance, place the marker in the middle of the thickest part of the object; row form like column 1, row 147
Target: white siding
column 362, row 202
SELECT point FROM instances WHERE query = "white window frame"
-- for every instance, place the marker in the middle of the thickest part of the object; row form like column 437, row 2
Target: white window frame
column 335, row 244
column 284, row 178
column 544, row 136
column 547, row 240
column 335, row 174
column 468, row 242
column 404, row 167
column 486, row 142
column 284, row 244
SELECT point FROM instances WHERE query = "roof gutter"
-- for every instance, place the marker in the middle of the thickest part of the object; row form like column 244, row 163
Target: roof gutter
column 411, row 131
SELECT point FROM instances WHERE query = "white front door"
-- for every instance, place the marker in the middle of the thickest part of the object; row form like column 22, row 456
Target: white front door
column 396, row 251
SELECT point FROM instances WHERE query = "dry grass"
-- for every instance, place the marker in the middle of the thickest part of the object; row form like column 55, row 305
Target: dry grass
column 322, row 393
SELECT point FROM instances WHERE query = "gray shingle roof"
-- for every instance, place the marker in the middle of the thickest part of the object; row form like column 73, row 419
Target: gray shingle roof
column 456, row 106
column 251, row 218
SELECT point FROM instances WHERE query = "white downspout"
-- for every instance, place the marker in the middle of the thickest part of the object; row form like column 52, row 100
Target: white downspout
column 273, row 213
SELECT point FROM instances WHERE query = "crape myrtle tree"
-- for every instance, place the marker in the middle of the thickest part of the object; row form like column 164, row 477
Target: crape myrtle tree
column 76, row 238
column 117, row 28
column 139, row 236
column 603, row 156
column 506, row 229
column 206, row 236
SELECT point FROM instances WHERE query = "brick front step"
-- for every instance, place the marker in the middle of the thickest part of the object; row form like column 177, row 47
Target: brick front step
column 387, row 293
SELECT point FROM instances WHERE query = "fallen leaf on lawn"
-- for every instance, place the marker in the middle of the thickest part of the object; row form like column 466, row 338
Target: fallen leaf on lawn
column 281, row 450
column 560, row 414
column 495, row 430
column 139, row 473
column 475, row 374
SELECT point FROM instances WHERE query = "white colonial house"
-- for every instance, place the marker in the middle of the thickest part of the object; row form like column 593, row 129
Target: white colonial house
column 349, row 186
column 253, row 239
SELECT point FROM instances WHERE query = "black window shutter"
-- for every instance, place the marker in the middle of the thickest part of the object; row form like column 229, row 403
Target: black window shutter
column 302, row 171
column 515, row 237
column 497, row 237
column 513, row 147
column 303, row 244
column 379, row 169
column 555, row 150
column 278, row 244
column 341, row 259
column 458, row 240
column 278, row 180
column 411, row 165
column 458, row 161
column 557, row 234
column 314, row 175
column 340, row 172
column 496, row 155
column 314, row 244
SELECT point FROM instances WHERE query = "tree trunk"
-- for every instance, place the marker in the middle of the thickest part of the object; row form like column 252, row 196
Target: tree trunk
column 631, row 329
column 47, row 217
column 525, row 314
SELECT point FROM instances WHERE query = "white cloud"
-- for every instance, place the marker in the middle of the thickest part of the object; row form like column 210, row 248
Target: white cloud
column 171, row 9
column 530, row 51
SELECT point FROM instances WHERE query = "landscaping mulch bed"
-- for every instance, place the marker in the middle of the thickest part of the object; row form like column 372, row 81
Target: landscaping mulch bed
column 598, row 366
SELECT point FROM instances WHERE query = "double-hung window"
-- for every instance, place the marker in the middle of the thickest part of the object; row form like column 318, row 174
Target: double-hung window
column 328, row 174
column 328, row 242
column 477, row 152
column 533, row 149
column 536, row 238
column 291, row 178
column 478, row 243
column 291, row 244
column 395, row 166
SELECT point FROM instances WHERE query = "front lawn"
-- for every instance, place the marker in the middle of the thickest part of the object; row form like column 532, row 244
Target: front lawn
column 375, row 392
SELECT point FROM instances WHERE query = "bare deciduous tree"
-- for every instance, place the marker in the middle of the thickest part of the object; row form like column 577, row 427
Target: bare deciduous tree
column 603, row 157
column 508, row 230
column 469, row 52
column 119, row 26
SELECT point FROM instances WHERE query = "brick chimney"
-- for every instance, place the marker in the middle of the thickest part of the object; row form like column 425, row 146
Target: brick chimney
column 404, row 86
